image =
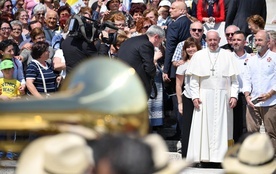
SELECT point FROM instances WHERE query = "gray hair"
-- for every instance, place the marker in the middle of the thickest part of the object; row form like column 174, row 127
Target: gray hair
column 39, row 7
column 272, row 34
column 212, row 31
column 234, row 26
column 16, row 23
column 155, row 30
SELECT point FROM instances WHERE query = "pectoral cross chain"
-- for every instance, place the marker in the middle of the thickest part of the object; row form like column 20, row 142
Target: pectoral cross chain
column 213, row 70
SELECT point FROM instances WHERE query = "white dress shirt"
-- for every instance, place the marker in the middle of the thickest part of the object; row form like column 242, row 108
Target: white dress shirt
column 260, row 77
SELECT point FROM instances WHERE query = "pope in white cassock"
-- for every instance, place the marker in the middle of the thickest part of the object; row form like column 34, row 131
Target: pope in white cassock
column 214, row 88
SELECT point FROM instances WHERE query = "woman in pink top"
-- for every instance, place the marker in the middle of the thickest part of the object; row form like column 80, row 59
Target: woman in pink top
column 29, row 5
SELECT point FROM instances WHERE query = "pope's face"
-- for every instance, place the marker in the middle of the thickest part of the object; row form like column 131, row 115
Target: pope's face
column 213, row 40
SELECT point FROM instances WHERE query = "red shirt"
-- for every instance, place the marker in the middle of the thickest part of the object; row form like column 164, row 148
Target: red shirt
column 218, row 14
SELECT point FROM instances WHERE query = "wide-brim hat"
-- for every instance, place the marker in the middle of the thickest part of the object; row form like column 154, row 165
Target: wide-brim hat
column 137, row 1
column 254, row 156
column 160, row 155
column 64, row 153
column 165, row 3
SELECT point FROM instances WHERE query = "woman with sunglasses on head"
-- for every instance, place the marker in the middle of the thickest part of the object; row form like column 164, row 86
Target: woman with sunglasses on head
column 7, row 52
column 185, row 103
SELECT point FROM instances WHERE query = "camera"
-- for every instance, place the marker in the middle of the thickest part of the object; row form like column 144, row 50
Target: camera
column 83, row 27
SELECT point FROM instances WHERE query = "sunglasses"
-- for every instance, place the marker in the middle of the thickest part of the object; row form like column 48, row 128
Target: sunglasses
column 197, row 29
column 228, row 34
column 40, row 14
column 24, row 16
column 146, row 27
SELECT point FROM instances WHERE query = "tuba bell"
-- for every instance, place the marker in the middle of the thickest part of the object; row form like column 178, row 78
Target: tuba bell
column 102, row 94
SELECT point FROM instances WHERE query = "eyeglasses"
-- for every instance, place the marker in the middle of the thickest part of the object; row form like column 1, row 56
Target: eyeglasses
column 5, row 29
column 40, row 14
column 228, row 34
column 146, row 27
column 197, row 29
column 24, row 16
column 120, row 25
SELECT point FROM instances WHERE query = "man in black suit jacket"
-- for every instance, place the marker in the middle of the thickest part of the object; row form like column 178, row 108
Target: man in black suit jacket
column 240, row 10
column 138, row 52
column 177, row 31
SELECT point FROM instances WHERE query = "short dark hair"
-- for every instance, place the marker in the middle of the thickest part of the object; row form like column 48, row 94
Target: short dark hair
column 63, row 8
column 240, row 32
column 5, row 43
column 38, row 49
column 31, row 23
column 125, row 154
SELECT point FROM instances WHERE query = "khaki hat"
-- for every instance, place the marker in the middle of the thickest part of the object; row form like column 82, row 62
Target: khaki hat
column 254, row 156
column 64, row 153
column 162, row 164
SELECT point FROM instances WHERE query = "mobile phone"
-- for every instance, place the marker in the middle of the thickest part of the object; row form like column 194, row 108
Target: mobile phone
column 256, row 100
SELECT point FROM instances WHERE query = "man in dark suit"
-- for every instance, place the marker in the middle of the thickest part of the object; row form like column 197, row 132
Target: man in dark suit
column 138, row 52
column 240, row 10
column 229, row 33
column 177, row 31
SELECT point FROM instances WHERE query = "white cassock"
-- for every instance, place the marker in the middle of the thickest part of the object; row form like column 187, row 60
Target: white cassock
column 214, row 82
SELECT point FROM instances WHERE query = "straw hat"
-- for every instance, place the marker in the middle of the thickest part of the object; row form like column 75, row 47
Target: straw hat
column 137, row 1
column 165, row 3
column 63, row 153
column 254, row 156
column 160, row 156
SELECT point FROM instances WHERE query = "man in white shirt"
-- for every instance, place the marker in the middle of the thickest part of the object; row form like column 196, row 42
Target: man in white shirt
column 241, row 56
column 259, row 86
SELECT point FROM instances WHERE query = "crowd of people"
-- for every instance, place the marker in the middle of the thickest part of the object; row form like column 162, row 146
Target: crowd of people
column 217, row 93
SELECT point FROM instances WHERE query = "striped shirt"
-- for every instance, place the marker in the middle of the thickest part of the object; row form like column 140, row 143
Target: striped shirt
column 48, row 73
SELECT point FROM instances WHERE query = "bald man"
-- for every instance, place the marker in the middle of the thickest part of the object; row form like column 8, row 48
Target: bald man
column 51, row 18
column 177, row 31
column 214, row 89
column 229, row 32
column 259, row 84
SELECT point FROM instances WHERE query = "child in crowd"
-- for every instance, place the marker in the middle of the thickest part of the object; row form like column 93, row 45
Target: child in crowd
column 8, row 85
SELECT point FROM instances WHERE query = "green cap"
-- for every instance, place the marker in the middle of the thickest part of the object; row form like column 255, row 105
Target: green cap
column 6, row 64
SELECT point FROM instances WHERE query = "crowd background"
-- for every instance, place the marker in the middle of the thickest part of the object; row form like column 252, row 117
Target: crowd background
column 37, row 37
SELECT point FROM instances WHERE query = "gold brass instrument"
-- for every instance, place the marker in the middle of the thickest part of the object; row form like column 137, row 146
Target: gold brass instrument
column 103, row 94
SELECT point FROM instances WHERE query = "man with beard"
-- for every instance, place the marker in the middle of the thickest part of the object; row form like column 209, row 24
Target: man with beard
column 259, row 86
column 229, row 32
column 241, row 56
